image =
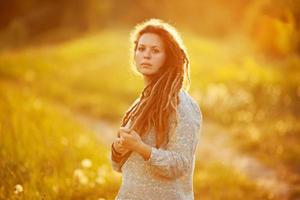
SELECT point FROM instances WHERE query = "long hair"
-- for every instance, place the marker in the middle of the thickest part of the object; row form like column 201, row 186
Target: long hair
column 158, row 102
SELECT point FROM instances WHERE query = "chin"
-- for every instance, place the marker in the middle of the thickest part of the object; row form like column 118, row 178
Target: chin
column 147, row 72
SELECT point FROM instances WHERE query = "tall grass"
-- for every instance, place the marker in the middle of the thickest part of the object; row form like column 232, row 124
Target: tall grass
column 46, row 153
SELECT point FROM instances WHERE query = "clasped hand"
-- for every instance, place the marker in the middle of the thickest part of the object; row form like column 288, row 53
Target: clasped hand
column 129, row 140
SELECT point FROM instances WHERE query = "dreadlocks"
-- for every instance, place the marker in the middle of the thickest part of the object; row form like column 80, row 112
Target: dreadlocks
column 159, row 99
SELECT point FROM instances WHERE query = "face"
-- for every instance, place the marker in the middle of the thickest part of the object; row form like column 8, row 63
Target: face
column 150, row 54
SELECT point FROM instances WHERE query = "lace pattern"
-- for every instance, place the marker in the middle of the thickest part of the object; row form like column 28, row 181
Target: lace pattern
column 170, row 168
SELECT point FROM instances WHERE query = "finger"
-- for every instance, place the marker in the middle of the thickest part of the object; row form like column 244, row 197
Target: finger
column 124, row 149
column 125, row 129
column 120, row 148
column 122, row 129
column 117, row 140
column 124, row 134
column 120, row 145
column 133, row 132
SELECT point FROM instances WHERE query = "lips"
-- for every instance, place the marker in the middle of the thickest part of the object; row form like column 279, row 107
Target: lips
column 146, row 64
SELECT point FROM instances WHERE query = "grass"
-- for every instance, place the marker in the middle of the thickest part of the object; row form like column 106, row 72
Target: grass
column 233, row 86
column 214, row 181
column 44, row 151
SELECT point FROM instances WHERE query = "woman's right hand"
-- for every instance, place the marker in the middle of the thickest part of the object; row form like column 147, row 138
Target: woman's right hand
column 117, row 144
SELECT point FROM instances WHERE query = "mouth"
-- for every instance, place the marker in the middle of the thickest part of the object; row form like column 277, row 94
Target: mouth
column 146, row 64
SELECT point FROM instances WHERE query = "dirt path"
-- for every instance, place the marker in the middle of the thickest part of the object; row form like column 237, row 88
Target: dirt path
column 214, row 146
column 106, row 131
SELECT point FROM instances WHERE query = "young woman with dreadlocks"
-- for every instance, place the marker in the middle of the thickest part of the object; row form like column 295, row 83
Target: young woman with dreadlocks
column 156, row 144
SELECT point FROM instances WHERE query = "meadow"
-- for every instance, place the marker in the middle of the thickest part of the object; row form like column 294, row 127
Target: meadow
column 46, row 154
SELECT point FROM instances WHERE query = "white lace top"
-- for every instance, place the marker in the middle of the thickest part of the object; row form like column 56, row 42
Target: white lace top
column 168, row 174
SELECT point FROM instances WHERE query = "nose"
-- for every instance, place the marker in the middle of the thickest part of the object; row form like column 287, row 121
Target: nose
column 147, row 54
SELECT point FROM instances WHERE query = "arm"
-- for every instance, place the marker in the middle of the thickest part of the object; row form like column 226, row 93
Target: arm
column 115, row 159
column 144, row 150
column 118, row 156
column 176, row 159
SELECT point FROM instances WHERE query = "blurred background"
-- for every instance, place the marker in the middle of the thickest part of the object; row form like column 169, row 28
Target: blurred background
column 65, row 83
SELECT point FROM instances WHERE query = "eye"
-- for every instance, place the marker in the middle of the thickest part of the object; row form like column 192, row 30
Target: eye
column 141, row 48
column 155, row 51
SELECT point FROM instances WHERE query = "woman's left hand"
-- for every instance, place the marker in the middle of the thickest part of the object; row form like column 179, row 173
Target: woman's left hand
column 130, row 139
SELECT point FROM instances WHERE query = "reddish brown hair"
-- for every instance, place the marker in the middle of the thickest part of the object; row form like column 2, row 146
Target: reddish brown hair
column 158, row 102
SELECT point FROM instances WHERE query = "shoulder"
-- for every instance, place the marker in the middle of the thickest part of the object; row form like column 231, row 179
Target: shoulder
column 134, row 103
column 188, row 102
column 189, row 108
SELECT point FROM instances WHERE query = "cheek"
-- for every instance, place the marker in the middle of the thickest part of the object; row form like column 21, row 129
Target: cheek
column 160, row 60
column 137, row 57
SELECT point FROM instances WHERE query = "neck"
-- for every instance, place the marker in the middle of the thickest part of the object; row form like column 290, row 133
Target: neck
column 147, row 80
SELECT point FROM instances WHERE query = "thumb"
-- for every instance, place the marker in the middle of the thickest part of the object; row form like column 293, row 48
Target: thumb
column 132, row 132
column 122, row 134
column 125, row 129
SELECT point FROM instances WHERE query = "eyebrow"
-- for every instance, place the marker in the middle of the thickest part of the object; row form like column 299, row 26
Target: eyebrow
column 150, row 46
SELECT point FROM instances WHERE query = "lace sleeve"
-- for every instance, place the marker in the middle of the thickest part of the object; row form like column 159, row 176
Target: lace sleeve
column 114, row 160
column 115, row 165
column 176, row 160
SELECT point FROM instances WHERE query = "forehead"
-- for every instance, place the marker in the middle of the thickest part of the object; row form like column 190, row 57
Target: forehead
column 151, row 39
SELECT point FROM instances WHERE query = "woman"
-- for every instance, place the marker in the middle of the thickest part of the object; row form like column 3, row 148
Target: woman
column 155, row 147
